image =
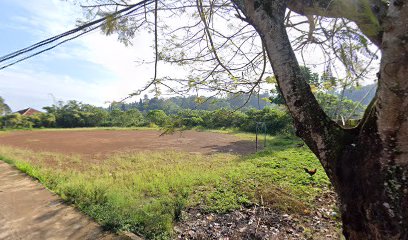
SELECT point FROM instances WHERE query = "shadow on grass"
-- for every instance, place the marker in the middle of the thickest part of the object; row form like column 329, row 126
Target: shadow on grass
column 248, row 147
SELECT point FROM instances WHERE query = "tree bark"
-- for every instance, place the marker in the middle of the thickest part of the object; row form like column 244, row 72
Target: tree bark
column 368, row 165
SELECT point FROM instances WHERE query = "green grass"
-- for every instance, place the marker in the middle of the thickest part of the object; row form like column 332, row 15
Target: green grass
column 146, row 192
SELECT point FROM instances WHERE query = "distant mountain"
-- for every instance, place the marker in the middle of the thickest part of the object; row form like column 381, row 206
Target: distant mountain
column 364, row 94
column 174, row 104
column 239, row 101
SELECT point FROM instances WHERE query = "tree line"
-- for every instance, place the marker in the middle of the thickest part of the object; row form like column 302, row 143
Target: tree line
column 74, row 114
column 240, row 111
column 177, row 112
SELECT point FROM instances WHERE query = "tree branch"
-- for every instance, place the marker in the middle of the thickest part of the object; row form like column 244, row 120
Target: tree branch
column 367, row 14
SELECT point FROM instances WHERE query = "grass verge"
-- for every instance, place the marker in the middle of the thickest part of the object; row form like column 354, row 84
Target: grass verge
column 146, row 192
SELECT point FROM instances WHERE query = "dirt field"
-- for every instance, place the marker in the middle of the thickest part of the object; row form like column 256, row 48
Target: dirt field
column 28, row 211
column 110, row 141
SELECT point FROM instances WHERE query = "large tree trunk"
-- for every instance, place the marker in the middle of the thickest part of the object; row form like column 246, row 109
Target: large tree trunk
column 368, row 165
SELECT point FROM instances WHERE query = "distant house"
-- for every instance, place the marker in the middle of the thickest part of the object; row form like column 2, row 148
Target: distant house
column 28, row 112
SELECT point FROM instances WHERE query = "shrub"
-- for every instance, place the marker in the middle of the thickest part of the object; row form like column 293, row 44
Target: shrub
column 158, row 117
column 276, row 120
column 16, row 121
column 224, row 118
column 131, row 118
column 42, row 120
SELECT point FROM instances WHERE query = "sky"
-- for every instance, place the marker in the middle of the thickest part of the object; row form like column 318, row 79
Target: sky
column 93, row 69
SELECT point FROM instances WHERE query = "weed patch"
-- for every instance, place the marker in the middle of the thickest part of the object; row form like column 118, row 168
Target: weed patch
column 147, row 192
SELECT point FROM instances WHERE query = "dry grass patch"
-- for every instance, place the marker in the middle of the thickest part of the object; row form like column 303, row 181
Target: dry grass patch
column 146, row 192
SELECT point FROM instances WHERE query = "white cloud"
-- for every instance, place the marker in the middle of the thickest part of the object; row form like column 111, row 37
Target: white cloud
column 34, row 89
column 50, row 17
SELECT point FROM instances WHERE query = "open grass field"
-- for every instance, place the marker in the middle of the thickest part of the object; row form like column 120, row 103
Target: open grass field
column 140, row 182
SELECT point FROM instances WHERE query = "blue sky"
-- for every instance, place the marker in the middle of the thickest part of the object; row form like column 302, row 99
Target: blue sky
column 93, row 69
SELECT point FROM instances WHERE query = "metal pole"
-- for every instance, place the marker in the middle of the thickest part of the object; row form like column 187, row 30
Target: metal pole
column 264, row 135
column 256, row 139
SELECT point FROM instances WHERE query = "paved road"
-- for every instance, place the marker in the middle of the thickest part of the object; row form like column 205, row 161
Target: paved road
column 29, row 211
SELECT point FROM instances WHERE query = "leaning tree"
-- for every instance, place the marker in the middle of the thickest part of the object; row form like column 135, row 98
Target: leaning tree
column 368, row 164
column 229, row 46
column 234, row 47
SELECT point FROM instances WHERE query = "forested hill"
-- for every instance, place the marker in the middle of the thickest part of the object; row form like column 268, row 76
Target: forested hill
column 363, row 94
column 173, row 104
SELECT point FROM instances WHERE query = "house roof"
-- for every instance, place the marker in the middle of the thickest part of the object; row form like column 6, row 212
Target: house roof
column 28, row 112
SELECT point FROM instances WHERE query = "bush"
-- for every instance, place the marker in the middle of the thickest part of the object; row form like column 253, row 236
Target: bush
column 224, row 118
column 16, row 121
column 276, row 120
column 131, row 118
column 42, row 120
column 190, row 118
column 158, row 117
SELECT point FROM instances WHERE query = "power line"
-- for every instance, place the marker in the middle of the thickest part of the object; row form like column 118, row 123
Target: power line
column 86, row 28
column 47, row 49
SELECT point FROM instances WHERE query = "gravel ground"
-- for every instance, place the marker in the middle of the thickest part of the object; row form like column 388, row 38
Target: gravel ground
column 260, row 222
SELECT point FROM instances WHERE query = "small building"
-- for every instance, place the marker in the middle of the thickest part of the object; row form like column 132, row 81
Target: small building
column 28, row 112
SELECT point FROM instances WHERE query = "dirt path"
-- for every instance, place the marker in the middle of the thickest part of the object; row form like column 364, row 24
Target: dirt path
column 29, row 211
